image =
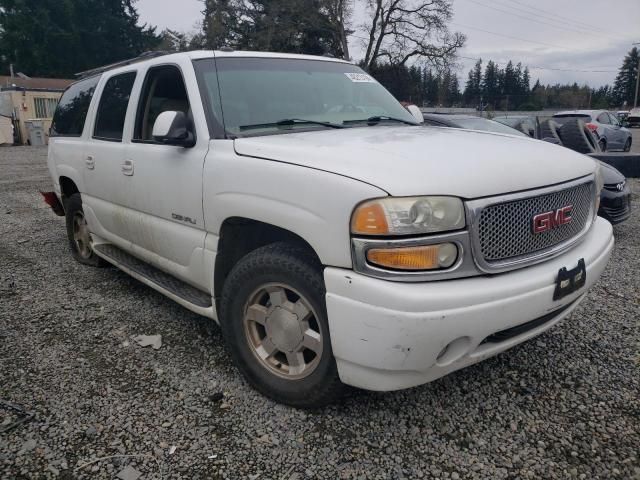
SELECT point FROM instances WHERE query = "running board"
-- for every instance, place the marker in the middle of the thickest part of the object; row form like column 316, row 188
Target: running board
column 169, row 285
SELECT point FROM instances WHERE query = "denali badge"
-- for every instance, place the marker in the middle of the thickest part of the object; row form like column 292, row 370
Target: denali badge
column 543, row 222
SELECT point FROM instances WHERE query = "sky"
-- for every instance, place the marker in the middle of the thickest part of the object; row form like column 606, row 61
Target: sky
column 581, row 41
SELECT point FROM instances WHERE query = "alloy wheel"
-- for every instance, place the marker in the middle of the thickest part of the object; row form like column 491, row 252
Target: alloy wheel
column 283, row 332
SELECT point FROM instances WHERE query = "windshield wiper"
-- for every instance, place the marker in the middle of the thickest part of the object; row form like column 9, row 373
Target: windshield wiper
column 289, row 122
column 380, row 118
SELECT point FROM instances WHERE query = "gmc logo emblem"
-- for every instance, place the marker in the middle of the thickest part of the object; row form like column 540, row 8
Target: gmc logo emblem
column 543, row 222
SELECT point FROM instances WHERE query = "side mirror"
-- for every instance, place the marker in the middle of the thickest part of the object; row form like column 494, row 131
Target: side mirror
column 173, row 128
column 415, row 111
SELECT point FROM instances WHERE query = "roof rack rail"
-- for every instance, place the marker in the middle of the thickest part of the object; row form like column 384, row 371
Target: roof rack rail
column 139, row 58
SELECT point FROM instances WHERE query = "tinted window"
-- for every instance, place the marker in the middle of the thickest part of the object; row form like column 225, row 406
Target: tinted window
column 73, row 107
column 563, row 118
column 163, row 91
column 113, row 107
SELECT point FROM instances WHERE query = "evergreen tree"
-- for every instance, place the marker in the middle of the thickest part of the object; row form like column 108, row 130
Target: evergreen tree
column 624, row 88
column 58, row 38
column 473, row 87
column 490, row 87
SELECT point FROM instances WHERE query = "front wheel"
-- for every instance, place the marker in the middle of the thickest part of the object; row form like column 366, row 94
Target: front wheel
column 274, row 318
column 627, row 145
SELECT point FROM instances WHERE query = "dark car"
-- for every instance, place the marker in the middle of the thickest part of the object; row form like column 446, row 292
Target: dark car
column 615, row 198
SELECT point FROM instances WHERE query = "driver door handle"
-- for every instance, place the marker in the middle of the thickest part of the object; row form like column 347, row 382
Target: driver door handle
column 127, row 168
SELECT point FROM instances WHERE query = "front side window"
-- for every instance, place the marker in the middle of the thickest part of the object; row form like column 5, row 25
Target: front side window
column 112, row 109
column 164, row 91
column 259, row 96
column 71, row 112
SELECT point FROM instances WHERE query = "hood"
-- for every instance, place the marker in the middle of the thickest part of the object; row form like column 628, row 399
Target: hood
column 610, row 175
column 407, row 161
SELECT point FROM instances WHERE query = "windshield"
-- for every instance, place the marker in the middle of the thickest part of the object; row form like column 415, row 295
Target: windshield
column 259, row 96
column 487, row 126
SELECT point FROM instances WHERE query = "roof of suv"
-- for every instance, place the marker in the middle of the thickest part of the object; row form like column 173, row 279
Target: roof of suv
column 156, row 57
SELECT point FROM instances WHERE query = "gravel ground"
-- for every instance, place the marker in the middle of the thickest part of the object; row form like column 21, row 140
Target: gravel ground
column 564, row 405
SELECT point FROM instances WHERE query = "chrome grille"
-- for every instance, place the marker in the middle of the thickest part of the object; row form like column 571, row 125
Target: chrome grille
column 505, row 229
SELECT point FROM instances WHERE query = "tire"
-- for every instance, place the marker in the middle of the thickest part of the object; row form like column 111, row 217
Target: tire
column 262, row 300
column 602, row 145
column 576, row 136
column 549, row 130
column 627, row 145
column 78, row 233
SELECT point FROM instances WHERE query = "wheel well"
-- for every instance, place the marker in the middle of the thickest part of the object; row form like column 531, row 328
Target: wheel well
column 240, row 236
column 68, row 187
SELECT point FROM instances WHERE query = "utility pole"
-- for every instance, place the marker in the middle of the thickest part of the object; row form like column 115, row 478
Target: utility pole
column 635, row 100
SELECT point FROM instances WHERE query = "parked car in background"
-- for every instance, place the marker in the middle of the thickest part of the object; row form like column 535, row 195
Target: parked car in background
column 615, row 198
column 633, row 119
column 610, row 133
column 469, row 122
column 525, row 123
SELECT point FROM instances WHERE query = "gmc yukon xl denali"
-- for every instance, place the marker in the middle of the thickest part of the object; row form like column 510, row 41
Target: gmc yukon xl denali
column 334, row 239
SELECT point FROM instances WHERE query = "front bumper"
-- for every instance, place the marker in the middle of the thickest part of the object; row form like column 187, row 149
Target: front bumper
column 387, row 335
column 615, row 206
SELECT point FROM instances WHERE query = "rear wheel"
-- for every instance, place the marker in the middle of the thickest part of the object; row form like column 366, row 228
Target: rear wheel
column 627, row 145
column 274, row 318
column 576, row 136
column 78, row 233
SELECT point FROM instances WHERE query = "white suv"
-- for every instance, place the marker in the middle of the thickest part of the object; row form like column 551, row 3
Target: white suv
column 335, row 240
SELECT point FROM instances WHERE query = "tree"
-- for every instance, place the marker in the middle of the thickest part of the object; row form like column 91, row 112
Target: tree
column 624, row 88
column 59, row 38
column 398, row 31
column 490, row 83
column 316, row 27
column 473, row 88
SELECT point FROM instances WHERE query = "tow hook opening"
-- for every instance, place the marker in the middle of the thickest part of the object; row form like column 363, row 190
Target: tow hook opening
column 453, row 351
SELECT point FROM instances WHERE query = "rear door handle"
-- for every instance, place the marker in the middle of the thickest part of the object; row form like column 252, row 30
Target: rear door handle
column 127, row 168
column 90, row 162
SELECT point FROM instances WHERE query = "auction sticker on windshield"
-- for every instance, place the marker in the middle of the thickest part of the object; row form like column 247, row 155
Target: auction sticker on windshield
column 360, row 78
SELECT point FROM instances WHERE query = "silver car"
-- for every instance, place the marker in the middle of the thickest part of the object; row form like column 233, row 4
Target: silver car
column 611, row 135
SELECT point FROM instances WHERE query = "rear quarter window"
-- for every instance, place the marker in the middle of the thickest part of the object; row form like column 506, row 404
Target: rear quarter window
column 71, row 113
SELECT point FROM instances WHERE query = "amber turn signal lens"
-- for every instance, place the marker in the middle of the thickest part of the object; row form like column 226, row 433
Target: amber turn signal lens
column 429, row 257
column 370, row 219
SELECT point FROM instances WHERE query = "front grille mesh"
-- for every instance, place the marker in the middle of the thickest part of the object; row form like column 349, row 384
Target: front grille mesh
column 505, row 230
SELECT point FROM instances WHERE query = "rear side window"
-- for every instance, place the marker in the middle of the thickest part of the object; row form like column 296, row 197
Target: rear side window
column 71, row 113
column 113, row 107
column 604, row 118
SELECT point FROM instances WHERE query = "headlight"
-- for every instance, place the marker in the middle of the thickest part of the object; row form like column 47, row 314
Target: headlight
column 599, row 186
column 599, row 178
column 408, row 216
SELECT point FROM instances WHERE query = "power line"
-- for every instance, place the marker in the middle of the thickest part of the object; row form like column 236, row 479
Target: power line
column 531, row 19
column 555, row 17
column 509, row 36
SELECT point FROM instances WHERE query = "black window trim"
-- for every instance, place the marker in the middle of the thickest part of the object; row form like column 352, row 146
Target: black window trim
column 138, row 107
column 84, row 126
column 95, row 117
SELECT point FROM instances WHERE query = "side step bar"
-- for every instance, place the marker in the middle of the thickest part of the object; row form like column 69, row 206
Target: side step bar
column 188, row 296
